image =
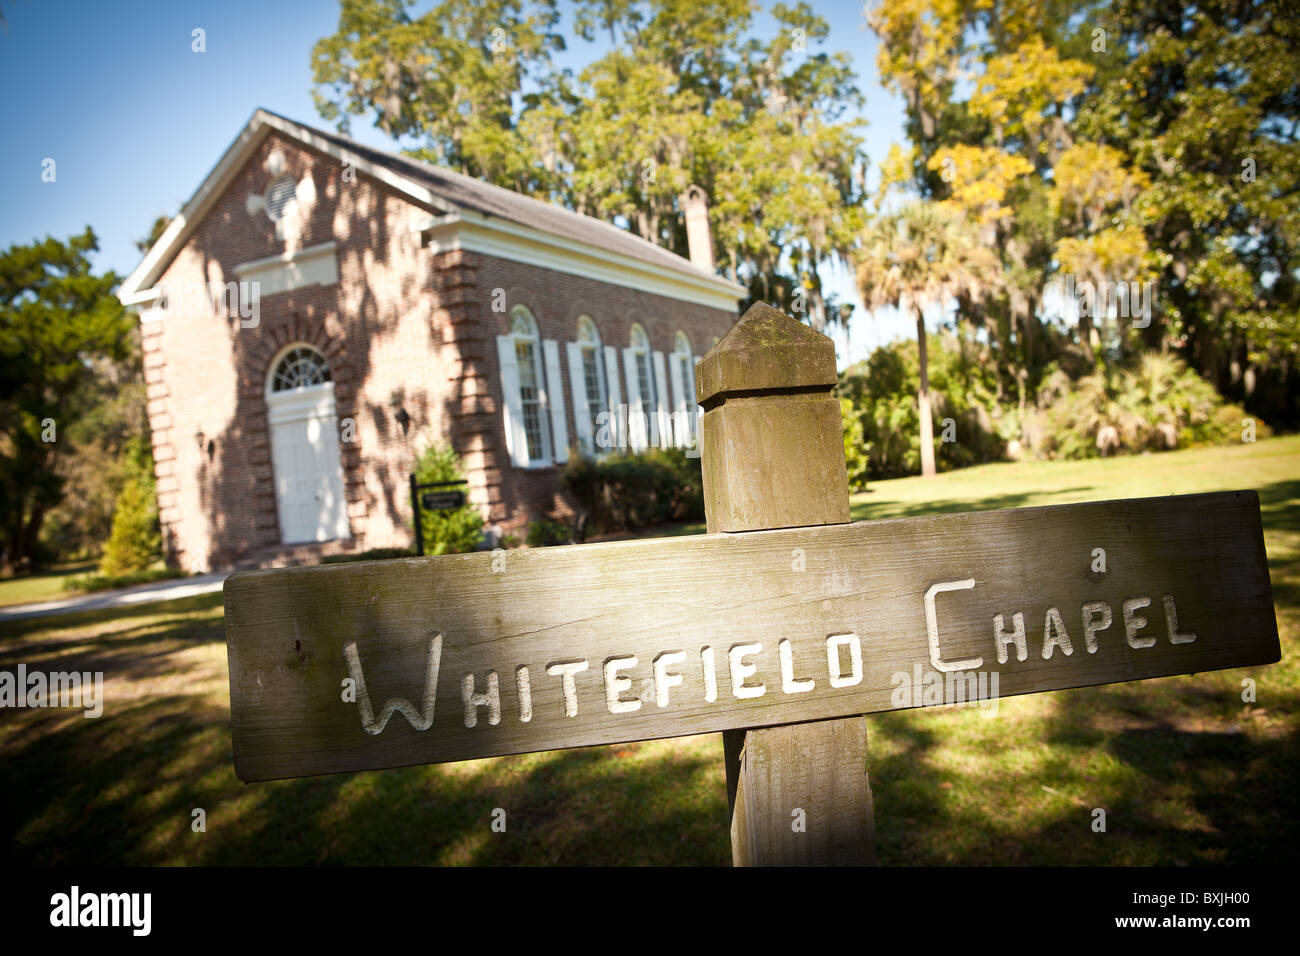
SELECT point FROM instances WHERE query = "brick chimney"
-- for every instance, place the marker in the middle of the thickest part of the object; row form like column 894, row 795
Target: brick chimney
column 699, row 240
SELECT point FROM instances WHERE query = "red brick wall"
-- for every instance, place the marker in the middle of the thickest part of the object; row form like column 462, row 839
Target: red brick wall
column 403, row 328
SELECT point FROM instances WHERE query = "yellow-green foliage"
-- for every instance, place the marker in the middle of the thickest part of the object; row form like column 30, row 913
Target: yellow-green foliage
column 881, row 396
column 135, row 541
column 857, row 460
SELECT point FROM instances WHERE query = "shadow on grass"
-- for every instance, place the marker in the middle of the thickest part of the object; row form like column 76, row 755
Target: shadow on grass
column 122, row 789
column 1188, row 792
column 1279, row 507
column 876, row 510
column 1185, row 773
column 87, row 620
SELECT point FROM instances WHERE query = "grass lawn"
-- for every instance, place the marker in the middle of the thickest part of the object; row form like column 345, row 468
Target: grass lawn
column 1187, row 774
column 46, row 586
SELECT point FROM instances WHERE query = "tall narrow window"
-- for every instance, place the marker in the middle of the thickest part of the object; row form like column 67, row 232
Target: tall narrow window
column 593, row 372
column 528, row 360
column 684, row 380
column 645, row 381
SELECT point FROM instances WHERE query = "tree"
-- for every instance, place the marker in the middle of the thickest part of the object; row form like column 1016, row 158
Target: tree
column 57, row 322
column 449, row 76
column 684, row 96
column 924, row 254
column 135, row 540
column 1164, row 143
column 1207, row 105
column 155, row 233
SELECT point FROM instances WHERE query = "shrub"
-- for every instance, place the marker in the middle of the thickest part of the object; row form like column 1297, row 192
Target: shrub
column 857, row 457
column 107, row 582
column 1154, row 405
column 135, row 541
column 545, row 532
column 637, row 490
column 446, row 532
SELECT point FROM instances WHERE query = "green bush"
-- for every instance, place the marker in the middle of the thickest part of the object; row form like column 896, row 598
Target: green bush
column 111, row 582
column 1156, row 404
column 447, row 532
column 544, row 533
column 135, row 541
column 636, row 490
column 857, row 451
column 1151, row 403
column 882, row 394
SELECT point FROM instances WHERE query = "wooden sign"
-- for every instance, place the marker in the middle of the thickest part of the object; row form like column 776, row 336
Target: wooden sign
column 424, row 660
column 442, row 500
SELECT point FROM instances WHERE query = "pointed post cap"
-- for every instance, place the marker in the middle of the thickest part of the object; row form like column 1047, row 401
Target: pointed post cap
column 766, row 350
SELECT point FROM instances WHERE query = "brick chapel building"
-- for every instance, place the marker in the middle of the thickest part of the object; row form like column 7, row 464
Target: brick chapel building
column 320, row 312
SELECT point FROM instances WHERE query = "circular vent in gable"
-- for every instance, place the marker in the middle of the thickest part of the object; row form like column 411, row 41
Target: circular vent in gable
column 280, row 196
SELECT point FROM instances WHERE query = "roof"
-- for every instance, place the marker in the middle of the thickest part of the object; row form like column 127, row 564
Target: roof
column 453, row 193
column 467, row 192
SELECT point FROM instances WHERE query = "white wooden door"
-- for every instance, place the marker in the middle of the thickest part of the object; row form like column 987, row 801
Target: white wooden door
column 308, row 470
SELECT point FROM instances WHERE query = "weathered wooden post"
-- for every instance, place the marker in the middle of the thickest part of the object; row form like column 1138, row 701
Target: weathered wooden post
column 773, row 457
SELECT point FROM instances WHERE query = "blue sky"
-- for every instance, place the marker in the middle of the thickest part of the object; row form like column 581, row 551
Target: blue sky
column 134, row 119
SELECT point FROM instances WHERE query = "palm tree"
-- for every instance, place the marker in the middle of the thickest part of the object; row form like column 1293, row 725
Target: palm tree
column 926, row 252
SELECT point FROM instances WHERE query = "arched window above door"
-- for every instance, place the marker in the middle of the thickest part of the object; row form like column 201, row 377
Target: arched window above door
column 299, row 367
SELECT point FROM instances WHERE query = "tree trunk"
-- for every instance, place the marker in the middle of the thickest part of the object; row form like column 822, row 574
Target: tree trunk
column 923, row 401
column 1085, row 337
column 16, row 552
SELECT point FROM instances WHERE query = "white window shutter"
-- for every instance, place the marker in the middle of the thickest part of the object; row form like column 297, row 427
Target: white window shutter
column 636, row 422
column 555, row 398
column 578, row 386
column 696, row 409
column 679, row 405
column 512, row 406
column 661, row 398
column 611, row 379
column 614, row 396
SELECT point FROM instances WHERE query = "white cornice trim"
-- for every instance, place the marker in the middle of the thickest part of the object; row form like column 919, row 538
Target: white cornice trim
column 284, row 258
column 511, row 241
column 398, row 182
